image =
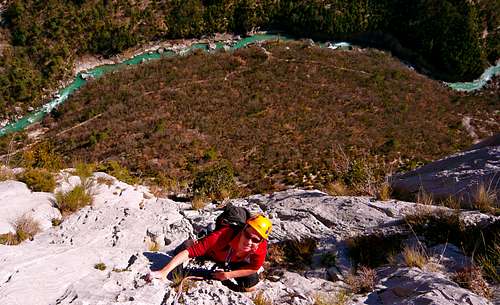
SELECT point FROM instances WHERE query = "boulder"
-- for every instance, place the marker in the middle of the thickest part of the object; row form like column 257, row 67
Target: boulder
column 16, row 200
column 457, row 175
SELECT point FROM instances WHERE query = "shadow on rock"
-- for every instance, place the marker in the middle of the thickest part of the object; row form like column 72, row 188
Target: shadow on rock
column 157, row 260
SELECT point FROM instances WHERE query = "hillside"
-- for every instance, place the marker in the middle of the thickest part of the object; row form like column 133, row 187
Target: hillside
column 279, row 115
column 40, row 40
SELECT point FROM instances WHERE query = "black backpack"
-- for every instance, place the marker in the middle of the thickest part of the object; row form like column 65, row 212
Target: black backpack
column 233, row 216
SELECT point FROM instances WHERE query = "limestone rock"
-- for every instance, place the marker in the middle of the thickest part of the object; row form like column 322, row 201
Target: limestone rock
column 58, row 266
column 17, row 200
column 457, row 175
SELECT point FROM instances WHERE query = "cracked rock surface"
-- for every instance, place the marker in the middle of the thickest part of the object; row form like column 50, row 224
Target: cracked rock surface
column 457, row 175
column 59, row 265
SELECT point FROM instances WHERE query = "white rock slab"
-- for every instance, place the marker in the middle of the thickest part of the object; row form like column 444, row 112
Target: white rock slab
column 16, row 199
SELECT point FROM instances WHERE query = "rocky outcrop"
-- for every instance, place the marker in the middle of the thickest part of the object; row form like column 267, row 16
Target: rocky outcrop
column 458, row 175
column 59, row 265
column 16, row 200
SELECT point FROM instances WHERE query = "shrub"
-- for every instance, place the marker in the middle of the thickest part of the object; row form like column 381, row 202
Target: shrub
column 329, row 259
column 293, row 254
column 84, row 171
column 114, row 169
column 100, row 266
column 44, row 156
column 363, row 281
column 471, row 278
column 214, row 181
column 73, row 200
column 373, row 250
column 38, row 180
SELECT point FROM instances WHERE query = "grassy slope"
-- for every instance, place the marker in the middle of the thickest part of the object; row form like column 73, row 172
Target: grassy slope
column 293, row 113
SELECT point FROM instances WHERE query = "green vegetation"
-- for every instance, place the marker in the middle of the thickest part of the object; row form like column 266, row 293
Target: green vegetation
column 114, row 169
column 100, row 266
column 43, row 38
column 73, row 200
column 375, row 249
column 481, row 243
column 215, row 181
column 38, row 179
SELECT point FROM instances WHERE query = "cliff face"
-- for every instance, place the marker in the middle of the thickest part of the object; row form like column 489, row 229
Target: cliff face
column 61, row 264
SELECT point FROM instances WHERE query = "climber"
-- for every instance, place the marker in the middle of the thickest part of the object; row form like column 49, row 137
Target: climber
column 239, row 254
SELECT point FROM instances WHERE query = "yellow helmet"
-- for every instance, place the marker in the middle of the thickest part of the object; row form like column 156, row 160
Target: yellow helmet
column 261, row 224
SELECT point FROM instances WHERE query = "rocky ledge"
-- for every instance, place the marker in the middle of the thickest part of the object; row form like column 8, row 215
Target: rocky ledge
column 101, row 254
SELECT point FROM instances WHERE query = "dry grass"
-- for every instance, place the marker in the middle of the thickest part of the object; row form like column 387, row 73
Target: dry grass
column 384, row 192
column 260, row 299
column 292, row 254
column 452, row 203
column 485, row 198
column 199, row 202
column 414, row 257
column 104, row 181
column 363, row 281
column 153, row 246
column 341, row 298
column 471, row 278
column 25, row 228
column 84, row 171
column 6, row 174
column 425, row 198
column 337, row 188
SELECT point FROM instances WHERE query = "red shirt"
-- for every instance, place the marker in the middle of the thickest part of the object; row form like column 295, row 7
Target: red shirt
column 218, row 244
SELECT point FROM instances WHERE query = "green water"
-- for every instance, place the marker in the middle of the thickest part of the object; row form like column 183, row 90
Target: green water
column 97, row 72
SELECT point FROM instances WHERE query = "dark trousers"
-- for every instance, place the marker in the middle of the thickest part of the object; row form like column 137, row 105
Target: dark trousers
column 241, row 282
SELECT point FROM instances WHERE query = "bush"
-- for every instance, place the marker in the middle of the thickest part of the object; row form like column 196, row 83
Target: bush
column 73, row 200
column 292, row 254
column 84, row 171
column 121, row 173
column 214, row 181
column 363, row 281
column 471, row 278
column 38, row 180
column 44, row 156
column 375, row 249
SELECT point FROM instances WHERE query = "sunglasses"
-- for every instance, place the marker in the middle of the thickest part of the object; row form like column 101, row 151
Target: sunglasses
column 254, row 239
